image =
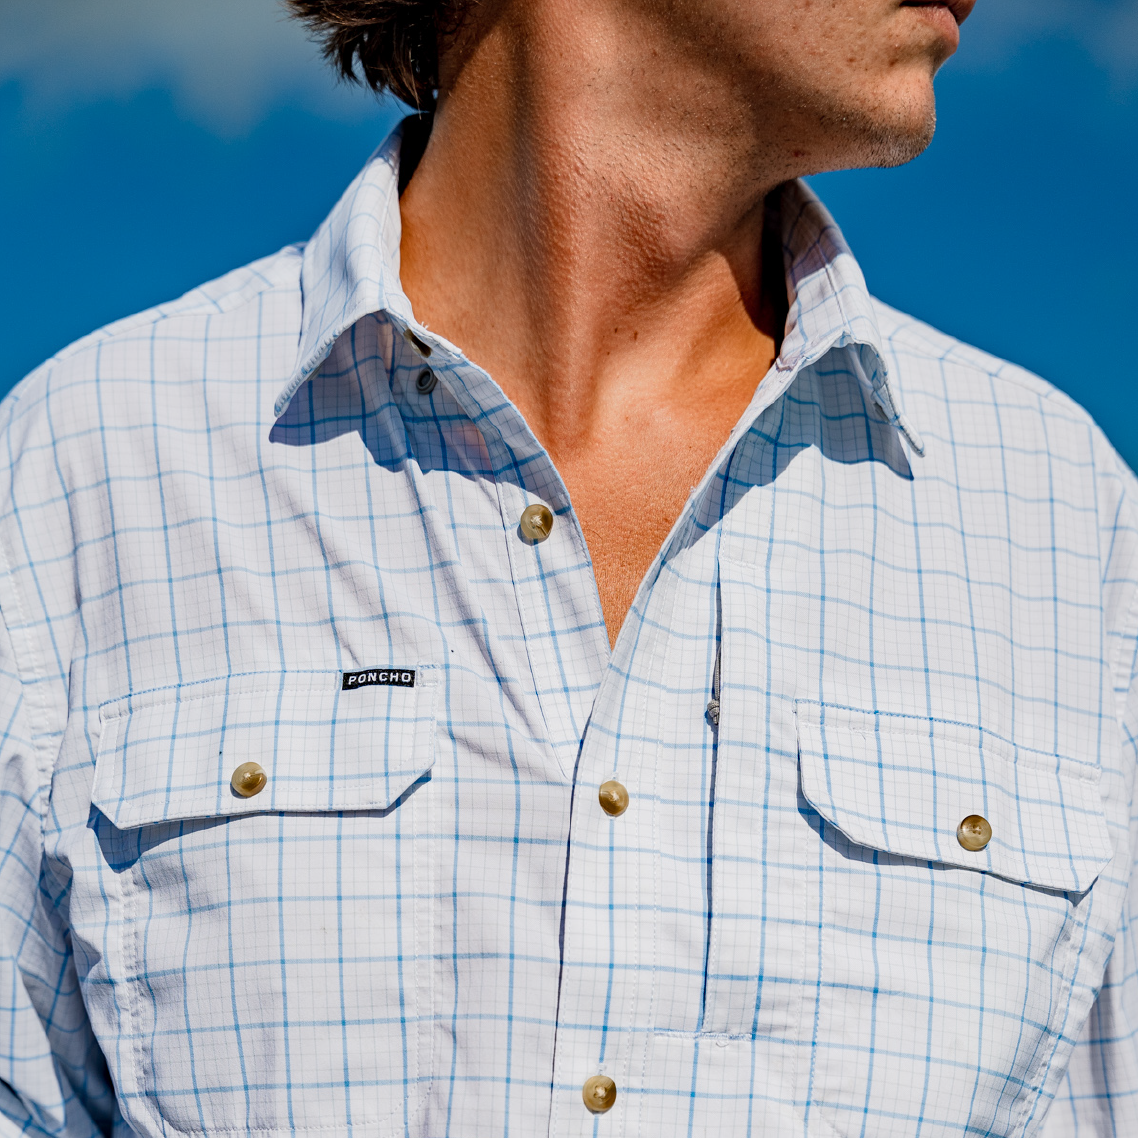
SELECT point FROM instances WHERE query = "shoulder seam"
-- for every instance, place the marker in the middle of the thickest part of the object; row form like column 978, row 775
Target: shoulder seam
column 962, row 353
column 193, row 303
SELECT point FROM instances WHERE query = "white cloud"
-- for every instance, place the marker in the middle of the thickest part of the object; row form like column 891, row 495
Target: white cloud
column 227, row 62
column 1107, row 29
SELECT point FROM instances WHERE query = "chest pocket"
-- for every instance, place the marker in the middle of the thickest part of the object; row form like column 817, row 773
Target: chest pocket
column 931, row 959
column 903, row 785
column 273, row 949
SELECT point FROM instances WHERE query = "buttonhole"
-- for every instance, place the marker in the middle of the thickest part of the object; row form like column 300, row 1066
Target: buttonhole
column 423, row 349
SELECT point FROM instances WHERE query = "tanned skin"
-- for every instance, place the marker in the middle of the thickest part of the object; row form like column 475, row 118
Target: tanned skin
column 586, row 222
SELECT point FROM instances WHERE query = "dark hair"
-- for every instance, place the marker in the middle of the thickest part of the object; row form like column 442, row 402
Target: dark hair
column 396, row 42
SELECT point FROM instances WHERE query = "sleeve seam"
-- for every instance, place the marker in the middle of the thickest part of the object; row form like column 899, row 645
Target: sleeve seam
column 1129, row 637
column 29, row 689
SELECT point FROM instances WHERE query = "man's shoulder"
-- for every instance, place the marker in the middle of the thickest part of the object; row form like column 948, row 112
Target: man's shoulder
column 994, row 422
column 909, row 340
column 951, row 379
column 161, row 345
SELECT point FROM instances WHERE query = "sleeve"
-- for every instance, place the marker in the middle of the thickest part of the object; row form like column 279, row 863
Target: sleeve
column 53, row 1079
column 1098, row 1098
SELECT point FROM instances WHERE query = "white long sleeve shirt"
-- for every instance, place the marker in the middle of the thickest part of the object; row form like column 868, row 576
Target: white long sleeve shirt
column 276, row 522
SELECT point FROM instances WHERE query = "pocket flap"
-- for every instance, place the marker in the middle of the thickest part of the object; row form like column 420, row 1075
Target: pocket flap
column 170, row 753
column 903, row 785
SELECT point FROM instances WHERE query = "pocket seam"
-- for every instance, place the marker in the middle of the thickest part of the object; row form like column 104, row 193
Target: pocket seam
column 1014, row 752
column 105, row 715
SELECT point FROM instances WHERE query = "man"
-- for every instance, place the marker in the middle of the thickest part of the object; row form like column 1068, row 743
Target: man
column 552, row 655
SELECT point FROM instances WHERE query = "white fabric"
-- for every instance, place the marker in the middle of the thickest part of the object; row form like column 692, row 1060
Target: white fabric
column 923, row 563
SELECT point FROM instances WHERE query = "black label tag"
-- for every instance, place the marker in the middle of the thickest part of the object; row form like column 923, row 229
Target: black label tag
column 379, row 677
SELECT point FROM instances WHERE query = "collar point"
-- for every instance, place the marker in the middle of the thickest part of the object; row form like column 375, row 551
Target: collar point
column 912, row 436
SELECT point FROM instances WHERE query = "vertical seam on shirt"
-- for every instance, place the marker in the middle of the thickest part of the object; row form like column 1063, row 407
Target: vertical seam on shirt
column 1028, row 1103
column 31, row 681
column 524, row 608
column 1128, row 637
column 645, row 700
column 132, row 962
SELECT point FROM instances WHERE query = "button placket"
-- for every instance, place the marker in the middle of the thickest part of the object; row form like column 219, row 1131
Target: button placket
column 559, row 613
column 559, row 645
column 615, row 895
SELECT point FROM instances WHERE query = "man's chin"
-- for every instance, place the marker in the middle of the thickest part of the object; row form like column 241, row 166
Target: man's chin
column 885, row 141
column 850, row 132
column 895, row 148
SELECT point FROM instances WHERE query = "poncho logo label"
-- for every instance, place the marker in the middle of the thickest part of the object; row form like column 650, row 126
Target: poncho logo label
column 379, row 677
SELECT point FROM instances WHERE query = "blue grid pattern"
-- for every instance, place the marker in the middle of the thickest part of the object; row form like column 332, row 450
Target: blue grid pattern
column 917, row 565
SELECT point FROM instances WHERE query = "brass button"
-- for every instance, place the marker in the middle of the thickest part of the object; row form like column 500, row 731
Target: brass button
column 599, row 1093
column 614, row 798
column 425, row 384
column 974, row 833
column 249, row 779
column 536, row 522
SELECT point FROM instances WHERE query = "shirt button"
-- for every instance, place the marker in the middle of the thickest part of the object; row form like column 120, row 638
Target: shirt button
column 599, row 1093
column 249, row 779
column 425, row 384
column 614, row 798
column 536, row 522
column 974, row 833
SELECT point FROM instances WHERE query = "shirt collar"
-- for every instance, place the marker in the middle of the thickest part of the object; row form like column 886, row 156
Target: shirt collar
column 350, row 269
column 830, row 306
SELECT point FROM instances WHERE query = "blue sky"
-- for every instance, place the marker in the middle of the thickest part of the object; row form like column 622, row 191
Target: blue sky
column 146, row 147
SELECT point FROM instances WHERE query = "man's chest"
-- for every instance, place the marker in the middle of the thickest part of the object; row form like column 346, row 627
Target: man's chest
column 427, row 904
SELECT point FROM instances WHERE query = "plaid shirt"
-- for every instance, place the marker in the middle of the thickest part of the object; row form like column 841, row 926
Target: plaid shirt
column 276, row 522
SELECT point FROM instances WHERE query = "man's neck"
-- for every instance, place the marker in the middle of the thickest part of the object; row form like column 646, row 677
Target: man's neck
column 584, row 221
column 587, row 228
